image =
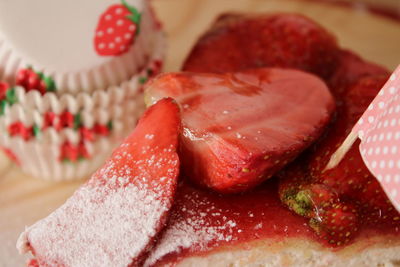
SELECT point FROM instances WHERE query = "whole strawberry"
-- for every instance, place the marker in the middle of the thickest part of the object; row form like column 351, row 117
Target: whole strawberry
column 337, row 224
column 117, row 29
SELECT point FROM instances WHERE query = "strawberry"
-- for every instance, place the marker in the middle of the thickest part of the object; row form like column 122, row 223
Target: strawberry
column 349, row 183
column 350, row 69
column 241, row 128
column 306, row 199
column 32, row 80
column 117, row 29
column 337, row 224
column 113, row 219
column 238, row 42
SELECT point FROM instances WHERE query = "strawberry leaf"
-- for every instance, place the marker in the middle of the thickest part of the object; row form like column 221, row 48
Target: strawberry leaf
column 135, row 16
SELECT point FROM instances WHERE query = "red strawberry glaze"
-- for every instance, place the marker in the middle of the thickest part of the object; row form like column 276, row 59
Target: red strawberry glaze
column 203, row 222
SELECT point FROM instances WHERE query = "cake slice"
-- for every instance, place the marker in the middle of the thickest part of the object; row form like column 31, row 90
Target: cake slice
column 112, row 220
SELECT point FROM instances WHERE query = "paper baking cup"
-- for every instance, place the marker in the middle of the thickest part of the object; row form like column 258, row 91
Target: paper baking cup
column 40, row 155
column 111, row 73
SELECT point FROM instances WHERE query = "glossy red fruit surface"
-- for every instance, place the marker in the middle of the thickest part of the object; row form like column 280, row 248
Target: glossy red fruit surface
column 241, row 128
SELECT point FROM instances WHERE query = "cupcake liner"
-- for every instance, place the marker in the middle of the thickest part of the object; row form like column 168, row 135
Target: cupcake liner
column 112, row 72
column 44, row 150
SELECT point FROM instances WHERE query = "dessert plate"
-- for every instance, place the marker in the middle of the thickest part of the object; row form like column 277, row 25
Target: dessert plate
column 24, row 200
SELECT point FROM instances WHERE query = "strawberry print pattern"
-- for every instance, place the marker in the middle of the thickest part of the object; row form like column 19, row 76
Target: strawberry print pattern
column 117, row 29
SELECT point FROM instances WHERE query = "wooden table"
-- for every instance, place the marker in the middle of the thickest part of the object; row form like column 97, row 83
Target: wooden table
column 24, row 200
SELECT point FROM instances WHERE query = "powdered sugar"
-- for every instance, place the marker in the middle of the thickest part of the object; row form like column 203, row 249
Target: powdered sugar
column 193, row 230
column 110, row 220
column 113, row 218
column 98, row 226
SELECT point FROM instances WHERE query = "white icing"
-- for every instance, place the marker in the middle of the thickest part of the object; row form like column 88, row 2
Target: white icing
column 57, row 37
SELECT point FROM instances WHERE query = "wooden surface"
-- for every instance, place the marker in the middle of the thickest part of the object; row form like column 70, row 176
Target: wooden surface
column 24, row 200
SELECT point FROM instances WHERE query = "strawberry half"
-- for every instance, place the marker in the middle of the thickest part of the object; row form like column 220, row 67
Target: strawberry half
column 113, row 219
column 239, row 42
column 117, row 29
column 241, row 128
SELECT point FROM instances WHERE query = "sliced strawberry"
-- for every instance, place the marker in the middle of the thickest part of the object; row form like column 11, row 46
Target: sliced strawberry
column 113, row 219
column 117, row 29
column 238, row 42
column 240, row 128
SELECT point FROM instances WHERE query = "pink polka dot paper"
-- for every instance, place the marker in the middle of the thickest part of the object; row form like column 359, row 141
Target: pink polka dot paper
column 379, row 131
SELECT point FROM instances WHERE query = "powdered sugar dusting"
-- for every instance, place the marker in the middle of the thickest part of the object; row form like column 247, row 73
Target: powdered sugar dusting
column 193, row 230
column 110, row 220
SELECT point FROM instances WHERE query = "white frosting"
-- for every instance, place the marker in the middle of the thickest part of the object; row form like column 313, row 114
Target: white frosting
column 57, row 37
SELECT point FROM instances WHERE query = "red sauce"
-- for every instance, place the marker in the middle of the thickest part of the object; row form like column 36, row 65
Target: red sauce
column 203, row 221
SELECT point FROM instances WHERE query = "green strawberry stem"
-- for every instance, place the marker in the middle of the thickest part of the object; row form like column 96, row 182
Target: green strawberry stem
column 135, row 17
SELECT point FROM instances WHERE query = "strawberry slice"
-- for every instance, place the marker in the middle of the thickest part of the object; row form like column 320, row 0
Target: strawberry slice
column 113, row 219
column 117, row 29
column 240, row 128
column 238, row 42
